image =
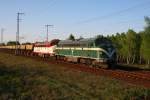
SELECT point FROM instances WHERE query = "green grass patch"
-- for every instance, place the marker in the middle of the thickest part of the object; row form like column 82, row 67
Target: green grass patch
column 24, row 79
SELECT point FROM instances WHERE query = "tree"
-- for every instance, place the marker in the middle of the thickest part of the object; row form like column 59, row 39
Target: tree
column 147, row 28
column 2, row 44
column 80, row 38
column 71, row 37
column 122, row 47
column 139, row 41
column 100, row 38
column 27, row 43
column 13, row 43
column 145, row 46
column 132, row 46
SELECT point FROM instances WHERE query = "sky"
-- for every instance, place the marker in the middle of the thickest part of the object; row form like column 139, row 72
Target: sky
column 86, row 18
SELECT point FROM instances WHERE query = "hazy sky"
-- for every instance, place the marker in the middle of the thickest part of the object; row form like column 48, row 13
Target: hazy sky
column 86, row 18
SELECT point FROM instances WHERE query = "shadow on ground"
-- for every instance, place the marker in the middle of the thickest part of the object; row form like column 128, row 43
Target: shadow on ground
column 129, row 68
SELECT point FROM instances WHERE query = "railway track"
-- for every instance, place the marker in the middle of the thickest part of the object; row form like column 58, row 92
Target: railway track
column 134, row 77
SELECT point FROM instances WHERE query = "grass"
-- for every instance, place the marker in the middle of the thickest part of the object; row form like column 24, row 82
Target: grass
column 24, row 79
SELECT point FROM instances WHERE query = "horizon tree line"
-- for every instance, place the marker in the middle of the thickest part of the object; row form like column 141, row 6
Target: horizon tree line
column 133, row 47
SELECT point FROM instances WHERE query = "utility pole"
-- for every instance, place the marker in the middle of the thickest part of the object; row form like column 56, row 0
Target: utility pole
column 2, row 31
column 47, row 26
column 17, row 33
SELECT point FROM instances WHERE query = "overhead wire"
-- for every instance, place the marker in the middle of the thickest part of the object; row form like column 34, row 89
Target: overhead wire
column 113, row 14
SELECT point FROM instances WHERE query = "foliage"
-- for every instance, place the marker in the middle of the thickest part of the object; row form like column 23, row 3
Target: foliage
column 71, row 37
column 145, row 46
column 147, row 28
column 27, row 43
column 80, row 38
column 133, row 47
column 2, row 44
column 101, row 39
column 13, row 43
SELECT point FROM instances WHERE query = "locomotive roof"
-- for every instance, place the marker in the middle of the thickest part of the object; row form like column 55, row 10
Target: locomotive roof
column 84, row 41
column 89, row 40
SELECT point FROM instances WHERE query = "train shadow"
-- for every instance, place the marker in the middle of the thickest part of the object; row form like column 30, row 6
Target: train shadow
column 129, row 68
